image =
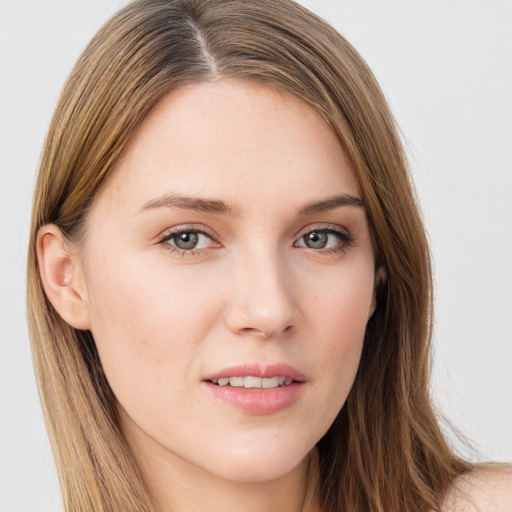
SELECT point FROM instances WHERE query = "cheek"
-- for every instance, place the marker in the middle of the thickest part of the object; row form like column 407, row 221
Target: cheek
column 147, row 323
column 339, row 315
column 342, row 307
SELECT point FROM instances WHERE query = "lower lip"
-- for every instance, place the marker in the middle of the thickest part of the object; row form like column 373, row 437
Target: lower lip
column 258, row 401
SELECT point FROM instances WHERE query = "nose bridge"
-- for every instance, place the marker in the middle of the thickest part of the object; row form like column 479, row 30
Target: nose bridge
column 262, row 301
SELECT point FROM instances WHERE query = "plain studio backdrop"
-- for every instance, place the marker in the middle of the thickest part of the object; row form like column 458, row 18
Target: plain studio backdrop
column 445, row 67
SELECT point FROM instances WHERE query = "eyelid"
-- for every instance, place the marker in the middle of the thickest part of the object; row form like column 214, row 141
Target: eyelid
column 346, row 238
column 323, row 227
column 184, row 228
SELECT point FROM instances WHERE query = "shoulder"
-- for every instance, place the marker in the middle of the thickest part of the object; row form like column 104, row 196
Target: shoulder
column 487, row 489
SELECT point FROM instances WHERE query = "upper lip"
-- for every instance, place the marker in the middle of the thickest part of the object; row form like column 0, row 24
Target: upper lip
column 258, row 370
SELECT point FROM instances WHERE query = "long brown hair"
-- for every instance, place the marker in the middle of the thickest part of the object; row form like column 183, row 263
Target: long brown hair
column 385, row 451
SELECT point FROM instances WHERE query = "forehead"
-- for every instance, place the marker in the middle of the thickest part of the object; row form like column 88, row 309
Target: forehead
column 242, row 142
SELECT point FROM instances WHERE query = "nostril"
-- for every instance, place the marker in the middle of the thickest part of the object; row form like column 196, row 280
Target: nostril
column 264, row 334
column 256, row 332
column 262, row 318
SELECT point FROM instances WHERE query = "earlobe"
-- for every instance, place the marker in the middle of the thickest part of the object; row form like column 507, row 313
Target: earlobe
column 379, row 280
column 62, row 277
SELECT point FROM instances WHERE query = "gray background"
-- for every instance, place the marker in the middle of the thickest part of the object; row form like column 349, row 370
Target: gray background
column 445, row 67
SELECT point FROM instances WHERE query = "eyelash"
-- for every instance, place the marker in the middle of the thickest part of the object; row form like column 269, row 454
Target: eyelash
column 181, row 230
column 345, row 238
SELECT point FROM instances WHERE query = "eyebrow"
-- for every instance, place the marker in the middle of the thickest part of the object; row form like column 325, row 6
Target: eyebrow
column 220, row 207
column 189, row 203
column 331, row 203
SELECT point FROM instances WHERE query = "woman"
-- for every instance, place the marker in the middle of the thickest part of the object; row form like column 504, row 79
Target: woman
column 229, row 281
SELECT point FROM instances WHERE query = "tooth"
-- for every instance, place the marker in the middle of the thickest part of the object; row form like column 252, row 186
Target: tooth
column 280, row 380
column 223, row 382
column 287, row 382
column 236, row 382
column 252, row 382
column 271, row 382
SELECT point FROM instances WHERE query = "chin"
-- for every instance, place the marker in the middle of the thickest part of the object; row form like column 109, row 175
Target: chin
column 259, row 463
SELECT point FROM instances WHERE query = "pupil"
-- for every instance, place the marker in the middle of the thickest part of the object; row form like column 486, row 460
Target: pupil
column 316, row 240
column 186, row 240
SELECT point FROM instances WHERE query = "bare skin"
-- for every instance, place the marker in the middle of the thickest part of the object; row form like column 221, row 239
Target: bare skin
column 487, row 490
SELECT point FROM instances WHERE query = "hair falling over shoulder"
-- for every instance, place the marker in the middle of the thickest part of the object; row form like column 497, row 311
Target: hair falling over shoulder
column 385, row 451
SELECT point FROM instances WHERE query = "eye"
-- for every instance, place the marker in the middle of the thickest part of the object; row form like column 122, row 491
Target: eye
column 187, row 240
column 330, row 239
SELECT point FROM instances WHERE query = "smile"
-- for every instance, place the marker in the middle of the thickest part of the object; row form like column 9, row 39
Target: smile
column 257, row 389
column 251, row 381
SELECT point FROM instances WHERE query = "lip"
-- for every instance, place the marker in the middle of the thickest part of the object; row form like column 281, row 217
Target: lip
column 258, row 370
column 258, row 401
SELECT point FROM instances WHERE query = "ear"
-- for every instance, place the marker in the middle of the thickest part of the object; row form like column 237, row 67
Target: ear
column 62, row 277
column 379, row 280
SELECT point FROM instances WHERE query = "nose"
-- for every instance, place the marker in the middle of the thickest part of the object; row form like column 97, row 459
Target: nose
column 262, row 297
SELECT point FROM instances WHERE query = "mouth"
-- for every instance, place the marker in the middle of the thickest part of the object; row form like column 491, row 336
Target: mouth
column 253, row 382
column 256, row 376
column 255, row 389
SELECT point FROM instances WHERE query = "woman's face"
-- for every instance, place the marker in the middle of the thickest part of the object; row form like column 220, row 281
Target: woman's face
column 229, row 250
